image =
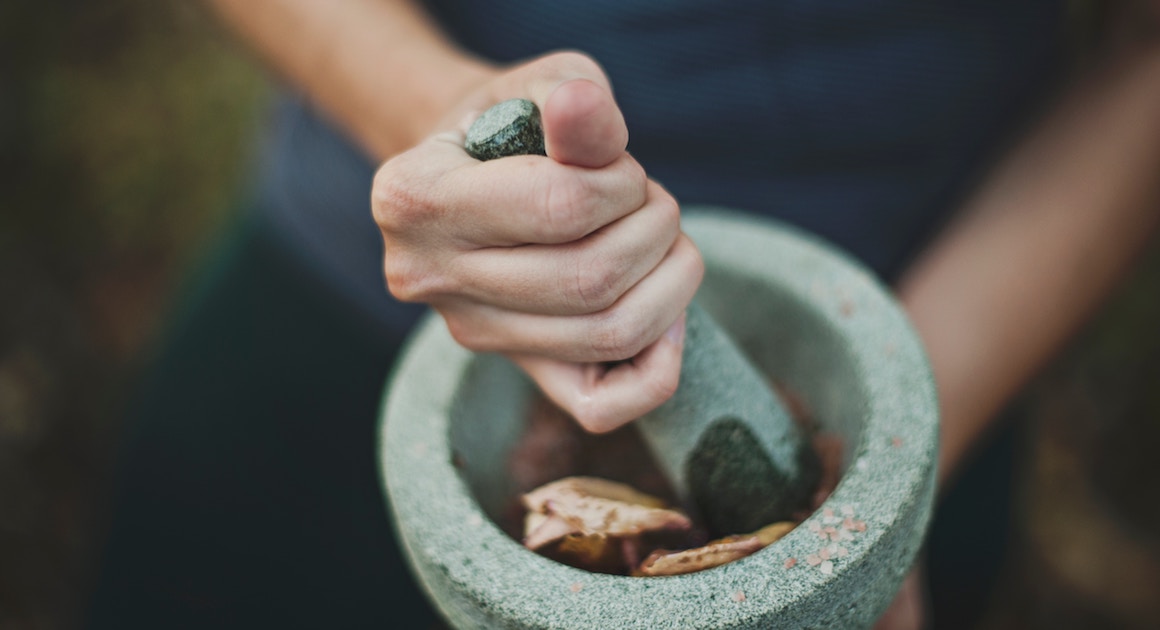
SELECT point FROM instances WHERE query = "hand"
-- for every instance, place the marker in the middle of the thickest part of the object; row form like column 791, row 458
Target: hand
column 908, row 610
column 573, row 265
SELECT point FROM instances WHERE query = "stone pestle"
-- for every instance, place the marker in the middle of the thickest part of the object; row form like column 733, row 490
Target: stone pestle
column 725, row 441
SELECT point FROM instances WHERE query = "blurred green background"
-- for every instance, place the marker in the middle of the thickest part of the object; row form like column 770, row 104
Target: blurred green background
column 127, row 132
column 127, row 129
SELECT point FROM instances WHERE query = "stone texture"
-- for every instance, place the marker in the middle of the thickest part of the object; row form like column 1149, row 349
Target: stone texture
column 724, row 439
column 511, row 127
column 805, row 316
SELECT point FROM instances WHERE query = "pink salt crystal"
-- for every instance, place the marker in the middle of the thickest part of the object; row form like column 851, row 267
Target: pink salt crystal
column 739, row 596
column 848, row 523
column 813, row 560
column 843, row 552
column 826, row 567
column 896, row 442
column 828, row 512
column 576, row 587
column 790, row 563
column 824, row 554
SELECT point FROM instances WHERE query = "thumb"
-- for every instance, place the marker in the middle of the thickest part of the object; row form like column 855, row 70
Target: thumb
column 582, row 125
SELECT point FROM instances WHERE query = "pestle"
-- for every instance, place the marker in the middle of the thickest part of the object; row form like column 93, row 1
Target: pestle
column 724, row 440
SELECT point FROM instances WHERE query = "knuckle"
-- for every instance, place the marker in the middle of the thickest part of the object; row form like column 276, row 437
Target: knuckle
column 399, row 197
column 564, row 209
column 661, row 384
column 696, row 271
column 666, row 211
column 670, row 212
column 636, row 177
column 616, row 336
column 598, row 284
column 462, row 332
column 595, row 417
column 401, row 281
column 408, row 280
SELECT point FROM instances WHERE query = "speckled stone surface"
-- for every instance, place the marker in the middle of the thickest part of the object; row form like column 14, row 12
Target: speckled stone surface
column 806, row 316
column 511, row 127
column 724, row 439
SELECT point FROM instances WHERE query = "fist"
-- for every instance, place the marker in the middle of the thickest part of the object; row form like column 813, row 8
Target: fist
column 573, row 265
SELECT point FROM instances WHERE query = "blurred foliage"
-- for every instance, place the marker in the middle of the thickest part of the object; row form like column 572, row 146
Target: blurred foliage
column 123, row 125
column 126, row 134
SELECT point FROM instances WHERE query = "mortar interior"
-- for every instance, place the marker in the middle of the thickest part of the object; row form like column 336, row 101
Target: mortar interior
column 781, row 330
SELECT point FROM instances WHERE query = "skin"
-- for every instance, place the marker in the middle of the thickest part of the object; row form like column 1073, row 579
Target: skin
column 568, row 263
column 563, row 264
column 573, row 266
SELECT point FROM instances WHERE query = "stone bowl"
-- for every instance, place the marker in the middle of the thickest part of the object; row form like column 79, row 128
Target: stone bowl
column 807, row 315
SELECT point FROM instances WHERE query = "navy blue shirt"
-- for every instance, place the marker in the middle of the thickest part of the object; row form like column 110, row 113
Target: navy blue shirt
column 865, row 122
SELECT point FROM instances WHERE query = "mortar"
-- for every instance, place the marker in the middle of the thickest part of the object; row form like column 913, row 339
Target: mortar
column 806, row 315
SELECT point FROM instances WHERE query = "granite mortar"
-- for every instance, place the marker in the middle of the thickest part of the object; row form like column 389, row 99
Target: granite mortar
column 806, row 315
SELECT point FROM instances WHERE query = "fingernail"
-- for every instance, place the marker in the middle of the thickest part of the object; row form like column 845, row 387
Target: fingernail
column 676, row 333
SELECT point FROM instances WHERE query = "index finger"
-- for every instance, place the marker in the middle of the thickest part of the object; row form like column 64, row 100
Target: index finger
column 522, row 199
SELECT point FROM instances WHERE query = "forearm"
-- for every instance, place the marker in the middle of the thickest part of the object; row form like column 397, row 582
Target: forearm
column 380, row 68
column 1037, row 249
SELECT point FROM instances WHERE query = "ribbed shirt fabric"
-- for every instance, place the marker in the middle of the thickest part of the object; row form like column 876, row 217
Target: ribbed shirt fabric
column 865, row 122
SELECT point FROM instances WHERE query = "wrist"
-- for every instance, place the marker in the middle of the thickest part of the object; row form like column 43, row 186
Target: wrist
column 446, row 87
column 381, row 69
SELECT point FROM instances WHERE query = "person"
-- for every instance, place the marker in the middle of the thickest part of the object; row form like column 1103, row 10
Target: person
column 248, row 492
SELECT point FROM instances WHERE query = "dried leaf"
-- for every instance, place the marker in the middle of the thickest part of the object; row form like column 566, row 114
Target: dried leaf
column 542, row 529
column 596, row 506
column 592, row 552
column 591, row 487
column 595, row 524
column 714, row 554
